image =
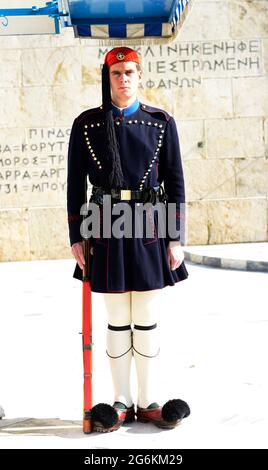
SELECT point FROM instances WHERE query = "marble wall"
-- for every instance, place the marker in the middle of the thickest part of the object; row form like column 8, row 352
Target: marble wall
column 213, row 79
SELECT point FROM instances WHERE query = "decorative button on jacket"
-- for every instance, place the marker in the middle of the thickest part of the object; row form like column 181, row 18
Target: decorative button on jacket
column 150, row 156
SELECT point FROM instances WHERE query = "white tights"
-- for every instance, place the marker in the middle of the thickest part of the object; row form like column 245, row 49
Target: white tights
column 141, row 309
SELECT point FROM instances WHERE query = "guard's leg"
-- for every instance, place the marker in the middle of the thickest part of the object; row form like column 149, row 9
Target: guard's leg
column 119, row 344
column 108, row 418
column 145, row 313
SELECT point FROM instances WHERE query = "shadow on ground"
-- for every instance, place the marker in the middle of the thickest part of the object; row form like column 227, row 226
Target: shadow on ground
column 59, row 428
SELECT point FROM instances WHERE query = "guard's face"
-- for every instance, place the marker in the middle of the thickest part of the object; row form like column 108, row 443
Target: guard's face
column 124, row 80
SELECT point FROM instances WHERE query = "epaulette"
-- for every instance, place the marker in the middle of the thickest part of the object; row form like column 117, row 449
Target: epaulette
column 90, row 112
column 151, row 110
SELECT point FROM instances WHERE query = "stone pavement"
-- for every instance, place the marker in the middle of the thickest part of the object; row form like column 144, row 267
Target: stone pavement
column 214, row 330
column 242, row 256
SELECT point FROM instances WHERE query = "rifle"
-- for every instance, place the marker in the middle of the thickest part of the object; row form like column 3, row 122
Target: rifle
column 87, row 339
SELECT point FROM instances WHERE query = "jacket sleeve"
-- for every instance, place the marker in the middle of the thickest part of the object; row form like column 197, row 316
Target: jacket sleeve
column 172, row 174
column 76, row 183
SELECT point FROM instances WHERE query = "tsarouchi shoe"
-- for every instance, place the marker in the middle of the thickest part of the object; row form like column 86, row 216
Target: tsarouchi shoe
column 166, row 417
column 107, row 418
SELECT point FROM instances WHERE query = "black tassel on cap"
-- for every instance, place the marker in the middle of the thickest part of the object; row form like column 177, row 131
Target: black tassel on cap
column 115, row 177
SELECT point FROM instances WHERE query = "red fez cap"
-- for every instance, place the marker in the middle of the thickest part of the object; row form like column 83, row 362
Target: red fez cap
column 121, row 54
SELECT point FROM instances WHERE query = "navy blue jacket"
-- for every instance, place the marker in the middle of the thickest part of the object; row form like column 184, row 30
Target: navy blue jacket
column 150, row 155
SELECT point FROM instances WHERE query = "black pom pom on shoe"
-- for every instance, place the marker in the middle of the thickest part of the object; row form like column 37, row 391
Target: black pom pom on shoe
column 104, row 414
column 174, row 410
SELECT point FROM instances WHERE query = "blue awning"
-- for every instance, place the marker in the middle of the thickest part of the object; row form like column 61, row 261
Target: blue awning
column 127, row 19
column 44, row 19
column 105, row 20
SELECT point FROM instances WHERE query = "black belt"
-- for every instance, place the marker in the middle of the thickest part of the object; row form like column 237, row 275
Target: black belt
column 153, row 194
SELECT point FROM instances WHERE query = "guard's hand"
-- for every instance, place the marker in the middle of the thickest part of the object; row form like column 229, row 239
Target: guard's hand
column 78, row 253
column 175, row 254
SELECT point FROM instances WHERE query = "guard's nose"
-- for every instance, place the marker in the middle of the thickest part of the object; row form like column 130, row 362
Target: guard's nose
column 123, row 78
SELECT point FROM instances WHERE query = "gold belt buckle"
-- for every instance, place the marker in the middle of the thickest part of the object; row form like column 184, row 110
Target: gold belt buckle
column 125, row 194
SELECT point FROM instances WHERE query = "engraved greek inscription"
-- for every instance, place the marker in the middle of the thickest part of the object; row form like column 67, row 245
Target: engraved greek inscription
column 36, row 165
column 184, row 64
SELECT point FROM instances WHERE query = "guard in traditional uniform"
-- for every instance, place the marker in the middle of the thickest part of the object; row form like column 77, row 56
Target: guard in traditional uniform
column 130, row 153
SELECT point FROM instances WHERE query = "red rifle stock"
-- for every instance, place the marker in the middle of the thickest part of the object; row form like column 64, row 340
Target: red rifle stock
column 87, row 343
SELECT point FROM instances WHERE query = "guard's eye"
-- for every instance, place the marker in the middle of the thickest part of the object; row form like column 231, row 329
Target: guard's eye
column 128, row 72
